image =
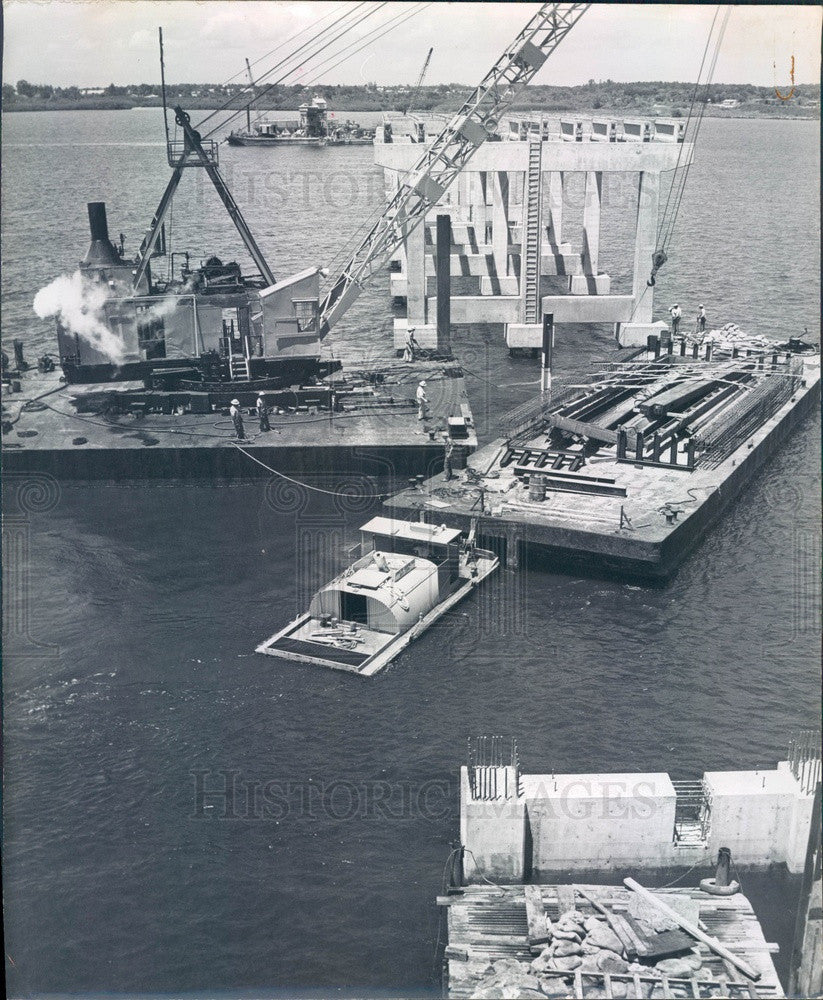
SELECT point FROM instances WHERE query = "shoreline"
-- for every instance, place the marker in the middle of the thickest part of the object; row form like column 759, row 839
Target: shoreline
column 710, row 112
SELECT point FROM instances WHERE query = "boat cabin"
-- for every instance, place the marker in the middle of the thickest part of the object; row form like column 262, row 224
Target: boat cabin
column 405, row 569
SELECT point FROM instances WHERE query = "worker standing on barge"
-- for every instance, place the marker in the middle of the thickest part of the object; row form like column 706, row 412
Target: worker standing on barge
column 422, row 401
column 263, row 413
column 412, row 347
column 676, row 314
column 701, row 319
column 237, row 419
column 448, row 450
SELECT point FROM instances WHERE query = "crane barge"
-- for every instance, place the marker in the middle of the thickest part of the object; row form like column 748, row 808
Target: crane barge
column 209, row 333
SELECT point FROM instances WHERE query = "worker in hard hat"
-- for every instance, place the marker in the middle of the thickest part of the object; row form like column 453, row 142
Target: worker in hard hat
column 701, row 319
column 677, row 314
column 262, row 410
column 411, row 349
column 237, row 419
column 422, row 401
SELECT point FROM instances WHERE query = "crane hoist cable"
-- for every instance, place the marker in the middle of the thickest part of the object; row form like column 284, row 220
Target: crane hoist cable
column 674, row 198
column 387, row 26
column 353, row 48
column 291, row 38
column 307, row 57
column 345, row 51
column 304, row 61
column 318, row 41
column 700, row 115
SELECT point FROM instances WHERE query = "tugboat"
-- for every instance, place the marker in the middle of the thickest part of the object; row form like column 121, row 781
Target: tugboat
column 408, row 575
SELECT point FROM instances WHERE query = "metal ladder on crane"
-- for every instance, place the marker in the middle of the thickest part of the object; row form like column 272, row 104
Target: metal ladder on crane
column 239, row 368
column 531, row 236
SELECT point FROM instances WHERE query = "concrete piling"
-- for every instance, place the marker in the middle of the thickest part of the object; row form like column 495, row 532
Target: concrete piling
column 442, row 270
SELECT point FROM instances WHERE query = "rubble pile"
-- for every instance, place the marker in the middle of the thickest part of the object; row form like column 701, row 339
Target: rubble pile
column 590, row 946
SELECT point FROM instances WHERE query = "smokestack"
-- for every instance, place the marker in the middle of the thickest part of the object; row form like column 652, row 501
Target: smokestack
column 101, row 253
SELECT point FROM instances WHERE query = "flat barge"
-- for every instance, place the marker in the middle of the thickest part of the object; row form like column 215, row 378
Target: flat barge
column 624, row 476
column 363, row 421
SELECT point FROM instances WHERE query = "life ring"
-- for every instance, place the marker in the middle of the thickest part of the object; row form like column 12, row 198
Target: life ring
column 710, row 885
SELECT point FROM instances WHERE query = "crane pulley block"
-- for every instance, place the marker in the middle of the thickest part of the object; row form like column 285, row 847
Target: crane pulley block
column 473, row 131
column 428, row 188
column 530, row 55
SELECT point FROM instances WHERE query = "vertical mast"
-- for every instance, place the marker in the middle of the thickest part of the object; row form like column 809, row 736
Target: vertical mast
column 163, row 88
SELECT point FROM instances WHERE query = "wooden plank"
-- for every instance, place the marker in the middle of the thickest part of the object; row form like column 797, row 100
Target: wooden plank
column 625, row 932
column 538, row 922
column 694, row 930
column 629, row 940
column 578, row 985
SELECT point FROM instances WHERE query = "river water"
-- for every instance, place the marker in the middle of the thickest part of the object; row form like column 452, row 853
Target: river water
column 136, row 697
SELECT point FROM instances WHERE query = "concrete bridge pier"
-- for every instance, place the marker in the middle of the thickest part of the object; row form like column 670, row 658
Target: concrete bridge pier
column 500, row 222
column 492, row 224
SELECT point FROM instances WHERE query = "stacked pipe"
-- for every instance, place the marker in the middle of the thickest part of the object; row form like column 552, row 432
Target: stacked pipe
column 729, row 429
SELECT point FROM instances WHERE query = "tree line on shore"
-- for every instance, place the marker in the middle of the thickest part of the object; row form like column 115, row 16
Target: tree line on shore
column 605, row 95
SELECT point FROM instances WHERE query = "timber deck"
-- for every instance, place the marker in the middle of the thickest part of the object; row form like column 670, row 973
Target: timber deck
column 487, row 923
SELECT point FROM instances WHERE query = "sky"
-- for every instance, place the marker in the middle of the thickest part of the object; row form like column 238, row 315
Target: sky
column 97, row 42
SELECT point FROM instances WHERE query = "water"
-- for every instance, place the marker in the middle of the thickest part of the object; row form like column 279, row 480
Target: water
column 117, row 876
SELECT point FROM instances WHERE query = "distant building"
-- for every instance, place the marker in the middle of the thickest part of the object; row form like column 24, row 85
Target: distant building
column 729, row 103
column 92, row 91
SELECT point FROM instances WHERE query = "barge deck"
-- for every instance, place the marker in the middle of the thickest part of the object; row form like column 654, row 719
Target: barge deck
column 120, row 430
column 609, row 500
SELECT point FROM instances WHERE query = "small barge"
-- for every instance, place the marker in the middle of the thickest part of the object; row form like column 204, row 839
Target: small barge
column 409, row 574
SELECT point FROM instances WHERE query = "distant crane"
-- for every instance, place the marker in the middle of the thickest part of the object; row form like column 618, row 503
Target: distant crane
column 419, row 83
column 253, row 86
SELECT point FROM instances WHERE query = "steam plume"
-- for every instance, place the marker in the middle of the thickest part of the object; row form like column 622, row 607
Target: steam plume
column 77, row 304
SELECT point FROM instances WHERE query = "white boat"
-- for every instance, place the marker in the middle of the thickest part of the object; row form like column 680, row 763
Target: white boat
column 408, row 575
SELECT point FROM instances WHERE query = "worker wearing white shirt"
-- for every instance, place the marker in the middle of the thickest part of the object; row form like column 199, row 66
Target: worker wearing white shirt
column 422, row 401
column 676, row 314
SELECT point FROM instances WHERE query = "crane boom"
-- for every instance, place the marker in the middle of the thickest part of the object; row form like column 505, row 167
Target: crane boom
column 419, row 83
column 440, row 163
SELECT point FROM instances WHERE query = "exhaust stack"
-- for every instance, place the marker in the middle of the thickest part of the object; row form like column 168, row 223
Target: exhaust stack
column 101, row 253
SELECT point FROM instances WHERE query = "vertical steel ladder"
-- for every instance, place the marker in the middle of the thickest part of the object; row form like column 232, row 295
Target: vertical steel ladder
column 531, row 236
